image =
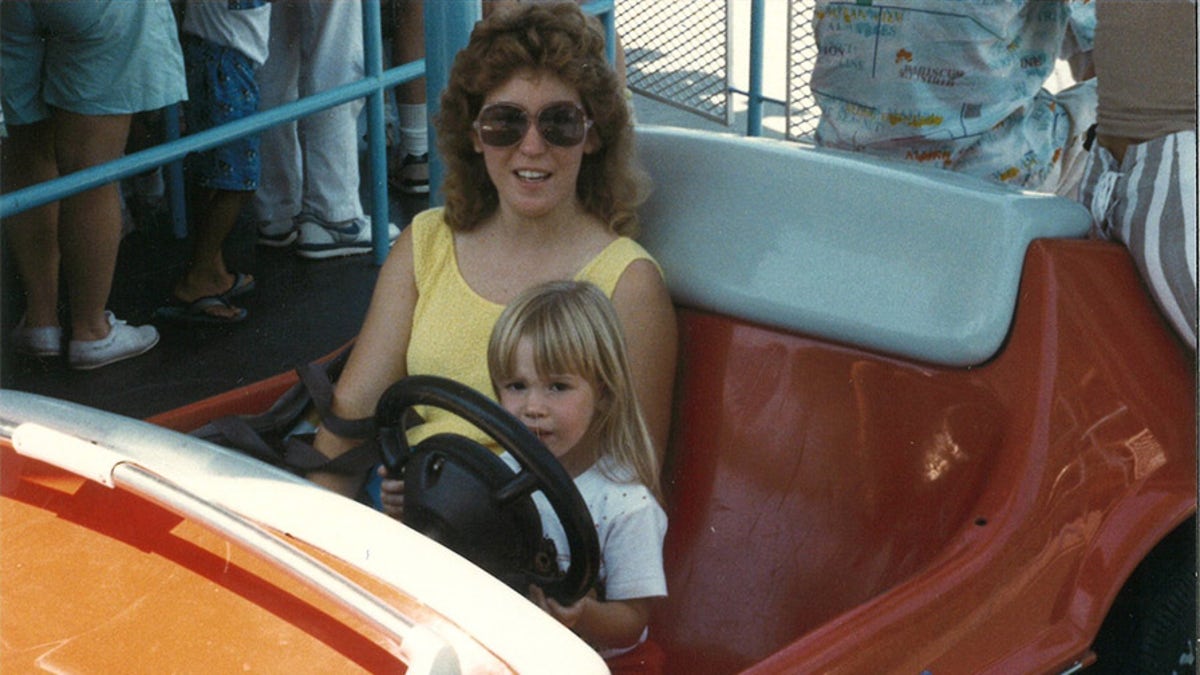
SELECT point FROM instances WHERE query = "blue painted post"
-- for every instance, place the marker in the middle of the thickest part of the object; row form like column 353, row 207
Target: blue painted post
column 376, row 133
column 754, row 114
column 447, row 30
column 173, row 176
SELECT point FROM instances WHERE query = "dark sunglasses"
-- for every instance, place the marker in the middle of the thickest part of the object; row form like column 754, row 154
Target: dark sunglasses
column 503, row 124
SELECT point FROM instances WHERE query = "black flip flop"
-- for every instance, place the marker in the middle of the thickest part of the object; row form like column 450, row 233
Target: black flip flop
column 242, row 284
column 197, row 311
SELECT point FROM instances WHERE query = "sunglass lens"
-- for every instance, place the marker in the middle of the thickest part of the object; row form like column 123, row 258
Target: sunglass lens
column 562, row 125
column 502, row 125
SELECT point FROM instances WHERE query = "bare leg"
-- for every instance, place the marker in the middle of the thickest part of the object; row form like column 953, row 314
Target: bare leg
column 410, row 166
column 89, row 222
column 33, row 234
column 207, row 275
column 408, row 44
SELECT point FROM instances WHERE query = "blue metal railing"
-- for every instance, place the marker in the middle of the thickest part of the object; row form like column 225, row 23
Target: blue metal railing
column 754, row 112
column 447, row 29
column 754, row 94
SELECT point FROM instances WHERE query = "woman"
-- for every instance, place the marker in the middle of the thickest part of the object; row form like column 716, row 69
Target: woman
column 540, row 186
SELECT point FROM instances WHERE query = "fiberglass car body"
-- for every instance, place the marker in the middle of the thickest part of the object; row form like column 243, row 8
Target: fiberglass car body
column 921, row 425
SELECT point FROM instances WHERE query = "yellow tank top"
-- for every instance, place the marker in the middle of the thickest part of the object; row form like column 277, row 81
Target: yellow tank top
column 452, row 323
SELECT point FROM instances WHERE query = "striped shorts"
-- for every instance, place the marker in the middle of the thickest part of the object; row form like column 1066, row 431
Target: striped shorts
column 1148, row 203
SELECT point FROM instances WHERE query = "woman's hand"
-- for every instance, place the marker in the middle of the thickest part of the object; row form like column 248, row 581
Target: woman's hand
column 391, row 494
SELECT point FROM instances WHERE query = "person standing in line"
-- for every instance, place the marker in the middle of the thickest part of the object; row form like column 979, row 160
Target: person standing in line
column 223, row 42
column 1140, row 177
column 309, row 188
column 74, row 73
column 410, row 164
column 957, row 85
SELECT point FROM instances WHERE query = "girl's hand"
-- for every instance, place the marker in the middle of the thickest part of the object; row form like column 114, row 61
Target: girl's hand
column 567, row 616
column 614, row 623
column 391, row 494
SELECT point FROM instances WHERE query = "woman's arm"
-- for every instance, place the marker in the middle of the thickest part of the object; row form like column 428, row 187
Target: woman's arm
column 651, row 334
column 378, row 358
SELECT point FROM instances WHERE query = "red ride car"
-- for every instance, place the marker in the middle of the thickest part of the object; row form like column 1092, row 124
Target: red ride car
column 922, row 426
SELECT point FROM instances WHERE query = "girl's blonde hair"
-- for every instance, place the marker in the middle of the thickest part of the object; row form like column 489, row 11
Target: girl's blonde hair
column 574, row 329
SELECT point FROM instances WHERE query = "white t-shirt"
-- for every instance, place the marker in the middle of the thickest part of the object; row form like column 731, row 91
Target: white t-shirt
column 630, row 525
column 244, row 25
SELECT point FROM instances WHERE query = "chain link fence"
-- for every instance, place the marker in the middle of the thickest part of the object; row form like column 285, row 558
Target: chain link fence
column 802, row 111
column 679, row 52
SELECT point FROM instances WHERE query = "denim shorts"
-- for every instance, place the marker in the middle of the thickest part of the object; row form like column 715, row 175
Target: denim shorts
column 221, row 88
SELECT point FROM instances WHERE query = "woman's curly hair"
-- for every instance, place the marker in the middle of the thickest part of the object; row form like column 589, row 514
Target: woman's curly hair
column 561, row 40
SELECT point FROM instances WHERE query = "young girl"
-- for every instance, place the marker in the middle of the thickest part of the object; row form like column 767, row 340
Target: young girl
column 558, row 363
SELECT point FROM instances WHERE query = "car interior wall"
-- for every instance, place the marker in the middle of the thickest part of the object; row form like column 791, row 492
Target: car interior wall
column 805, row 478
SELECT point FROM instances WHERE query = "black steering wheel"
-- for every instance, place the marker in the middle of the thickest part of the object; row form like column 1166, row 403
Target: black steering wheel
column 459, row 493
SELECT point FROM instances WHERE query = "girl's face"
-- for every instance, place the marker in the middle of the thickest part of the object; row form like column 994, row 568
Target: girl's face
column 557, row 408
column 534, row 178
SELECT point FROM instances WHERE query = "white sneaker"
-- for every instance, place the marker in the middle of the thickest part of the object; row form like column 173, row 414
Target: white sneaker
column 319, row 239
column 123, row 342
column 276, row 235
column 40, row 341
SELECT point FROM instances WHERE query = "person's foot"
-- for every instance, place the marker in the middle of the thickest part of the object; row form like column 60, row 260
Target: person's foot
column 319, row 240
column 240, row 285
column 122, row 342
column 210, row 309
column 412, row 176
column 207, row 292
column 40, row 341
column 276, row 234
